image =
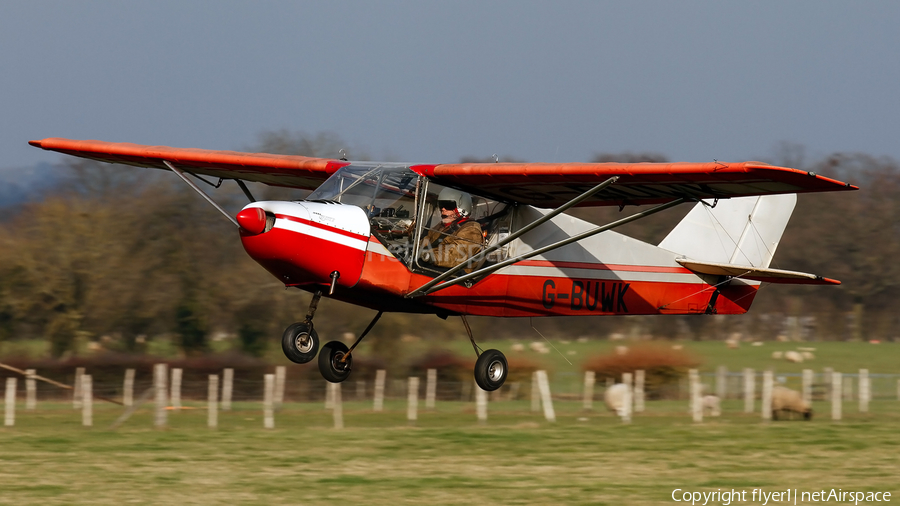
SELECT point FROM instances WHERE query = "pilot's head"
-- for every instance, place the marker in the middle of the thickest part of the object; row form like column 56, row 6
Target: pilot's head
column 454, row 204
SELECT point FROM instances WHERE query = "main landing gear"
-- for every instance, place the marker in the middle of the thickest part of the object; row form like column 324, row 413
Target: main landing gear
column 300, row 344
column 491, row 367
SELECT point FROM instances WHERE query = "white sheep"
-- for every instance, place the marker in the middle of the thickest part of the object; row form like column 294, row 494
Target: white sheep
column 785, row 400
column 793, row 356
column 614, row 398
column 711, row 405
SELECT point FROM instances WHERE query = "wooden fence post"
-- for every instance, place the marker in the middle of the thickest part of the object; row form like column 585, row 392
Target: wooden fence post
column 806, row 391
column 627, row 402
column 639, row 391
column 87, row 400
column 280, row 378
column 768, row 383
column 227, row 388
column 338, row 405
column 159, row 385
column 696, row 404
column 128, row 388
column 749, row 389
column 722, row 382
column 412, row 400
column 176, row 389
column 481, row 402
column 30, row 390
column 76, row 390
column 329, row 395
column 827, row 376
column 836, row 395
column 546, row 398
column 269, row 402
column 847, row 384
column 431, row 389
column 587, row 403
column 212, row 402
column 380, row 377
column 865, row 390
column 10, row 404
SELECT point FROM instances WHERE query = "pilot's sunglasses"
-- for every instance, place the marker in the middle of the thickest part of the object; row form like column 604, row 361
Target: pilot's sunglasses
column 447, row 204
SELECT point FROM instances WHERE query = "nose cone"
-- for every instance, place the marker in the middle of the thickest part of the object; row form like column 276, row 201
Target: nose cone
column 252, row 220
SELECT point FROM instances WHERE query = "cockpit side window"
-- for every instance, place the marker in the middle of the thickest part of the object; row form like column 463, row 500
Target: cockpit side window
column 446, row 239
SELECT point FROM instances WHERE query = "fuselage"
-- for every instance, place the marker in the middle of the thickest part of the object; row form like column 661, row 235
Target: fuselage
column 303, row 243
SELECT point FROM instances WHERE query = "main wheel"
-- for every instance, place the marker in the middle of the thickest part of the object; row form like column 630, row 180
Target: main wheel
column 300, row 343
column 490, row 370
column 330, row 364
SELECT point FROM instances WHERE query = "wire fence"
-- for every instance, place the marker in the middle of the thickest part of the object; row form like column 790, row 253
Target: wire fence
column 566, row 386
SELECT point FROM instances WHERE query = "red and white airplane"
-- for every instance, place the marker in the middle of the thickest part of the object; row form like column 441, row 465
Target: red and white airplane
column 371, row 234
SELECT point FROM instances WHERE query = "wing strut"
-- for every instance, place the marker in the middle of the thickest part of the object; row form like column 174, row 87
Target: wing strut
column 422, row 290
column 201, row 192
column 487, row 270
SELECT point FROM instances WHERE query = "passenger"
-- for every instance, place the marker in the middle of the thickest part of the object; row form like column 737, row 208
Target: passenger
column 456, row 238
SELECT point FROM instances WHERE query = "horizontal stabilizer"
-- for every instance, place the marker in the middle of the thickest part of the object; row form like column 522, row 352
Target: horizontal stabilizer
column 756, row 273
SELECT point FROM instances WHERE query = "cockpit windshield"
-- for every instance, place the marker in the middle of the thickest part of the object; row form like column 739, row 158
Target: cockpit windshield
column 386, row 192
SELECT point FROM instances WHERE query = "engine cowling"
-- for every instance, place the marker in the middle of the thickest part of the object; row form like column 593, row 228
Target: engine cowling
column 305, row 242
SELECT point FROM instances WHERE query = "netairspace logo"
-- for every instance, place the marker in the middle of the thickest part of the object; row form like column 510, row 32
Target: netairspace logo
column 789, row 496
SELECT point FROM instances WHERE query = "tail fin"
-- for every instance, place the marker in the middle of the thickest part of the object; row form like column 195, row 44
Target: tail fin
column 740, row 231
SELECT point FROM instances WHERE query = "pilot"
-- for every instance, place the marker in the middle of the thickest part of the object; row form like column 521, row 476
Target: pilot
column 457, row 238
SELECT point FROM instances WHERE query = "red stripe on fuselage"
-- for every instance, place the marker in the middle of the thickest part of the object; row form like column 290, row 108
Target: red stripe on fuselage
column 322, row 226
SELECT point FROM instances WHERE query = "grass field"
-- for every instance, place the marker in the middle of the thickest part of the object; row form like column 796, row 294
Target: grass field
column 447, row 457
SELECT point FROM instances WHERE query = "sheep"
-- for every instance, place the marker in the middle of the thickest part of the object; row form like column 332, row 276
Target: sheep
column 785, row 400
column 711, row 405
column 793, row 356
column 614, row 398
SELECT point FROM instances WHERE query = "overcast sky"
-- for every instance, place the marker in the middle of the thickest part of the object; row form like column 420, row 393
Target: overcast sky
column 431, row 82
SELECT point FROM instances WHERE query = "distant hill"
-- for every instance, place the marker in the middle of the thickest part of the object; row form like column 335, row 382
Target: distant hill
column 18, row 185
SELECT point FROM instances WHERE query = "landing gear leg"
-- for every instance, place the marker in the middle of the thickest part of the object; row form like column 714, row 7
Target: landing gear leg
column 491, row 367
column 300, row 341
column 336, row 360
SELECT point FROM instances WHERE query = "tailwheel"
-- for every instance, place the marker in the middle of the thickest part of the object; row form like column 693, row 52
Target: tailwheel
column 335, row 361
column 491, row 370
column 300, row 342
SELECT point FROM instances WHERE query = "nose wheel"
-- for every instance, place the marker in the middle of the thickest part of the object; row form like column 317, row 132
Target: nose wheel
column 300, row 342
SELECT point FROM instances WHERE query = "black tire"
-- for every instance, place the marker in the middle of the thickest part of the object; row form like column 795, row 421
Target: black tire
column 330, row 364
column 491, row 370
column 300, row 343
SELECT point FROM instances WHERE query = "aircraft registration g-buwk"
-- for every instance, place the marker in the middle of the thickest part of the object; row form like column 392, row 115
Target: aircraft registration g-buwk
column 492, row 239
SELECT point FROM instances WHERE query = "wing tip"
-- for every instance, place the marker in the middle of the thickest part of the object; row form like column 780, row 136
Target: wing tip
column 36, row 144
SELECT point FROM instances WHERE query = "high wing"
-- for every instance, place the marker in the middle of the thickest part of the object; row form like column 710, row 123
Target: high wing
column 291, row 171
column 550, row 185
column 537, row 184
